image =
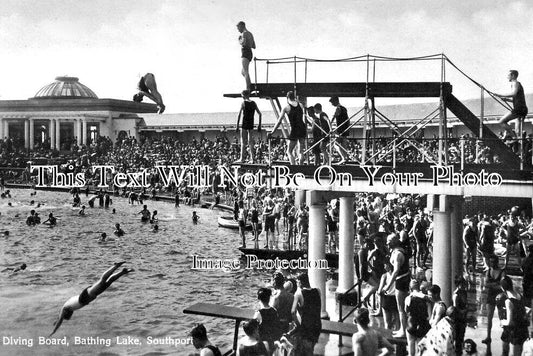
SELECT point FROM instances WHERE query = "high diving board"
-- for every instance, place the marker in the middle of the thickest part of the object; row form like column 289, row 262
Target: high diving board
column 375, row 89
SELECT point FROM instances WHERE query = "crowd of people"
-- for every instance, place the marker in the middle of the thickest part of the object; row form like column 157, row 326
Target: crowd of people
column 393, row 258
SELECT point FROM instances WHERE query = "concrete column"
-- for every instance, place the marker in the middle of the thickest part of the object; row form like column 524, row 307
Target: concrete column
column 52, row 132
column 58, row 134
column 299, row 197
column 27, row 134
column 1, row 129
column 6, row 128
column 84, row 132
column 346, row 244
column 443, row 202
column 317, row 246
column 430, row 202
column 442, row 254
column 78, row 132
column 456, row 232
column 32, row 133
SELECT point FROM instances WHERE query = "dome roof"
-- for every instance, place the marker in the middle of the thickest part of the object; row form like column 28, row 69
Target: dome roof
column 65, row 87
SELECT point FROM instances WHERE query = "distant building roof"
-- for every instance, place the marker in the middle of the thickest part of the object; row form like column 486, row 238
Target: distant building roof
column 65, row 87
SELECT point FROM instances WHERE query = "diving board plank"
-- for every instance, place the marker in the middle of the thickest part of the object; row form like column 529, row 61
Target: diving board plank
column 354, row 89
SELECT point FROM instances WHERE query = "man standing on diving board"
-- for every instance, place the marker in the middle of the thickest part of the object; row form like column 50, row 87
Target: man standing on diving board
column 246, row 40
column 148, row 87
column 517, row 97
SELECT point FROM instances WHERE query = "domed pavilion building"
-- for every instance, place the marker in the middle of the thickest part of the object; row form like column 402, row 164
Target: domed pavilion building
column 66, row 111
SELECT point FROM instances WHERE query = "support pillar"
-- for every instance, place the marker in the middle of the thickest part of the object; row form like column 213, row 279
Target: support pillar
column 6, row 128
column 52, row 131
column 442, row 253
column 26, row 134
column 430, row 202
column 299, row 197
column 84, row 132
column 1, row 129
column 78, row 132
column 456, row 232
column 346, row 244
column 32, row 133
column 317, row 246
column 58, row 134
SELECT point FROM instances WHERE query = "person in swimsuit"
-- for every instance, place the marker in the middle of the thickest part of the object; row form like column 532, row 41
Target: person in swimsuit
column 367, row 341
column 201, row 342
column 492, row 285
column 515, row 322
column 195, row 217
column 145, row 214
column 118, row 230
column 295, row 113
column 517, row 97
column 511, row 228
column 52, row 221
column 269, row 322
column 247, row 42
column 388, row 299
column 248, row 110
column 307, row 304
column 417, row 324
column 343, row 127
column 470, row 242
column 148, row 87
column 90, row 293
column 251, row 345
column 400, row 277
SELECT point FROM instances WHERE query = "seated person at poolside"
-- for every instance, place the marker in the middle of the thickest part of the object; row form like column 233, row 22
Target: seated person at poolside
column 202, row 343
column 89, row 294
column 148, row 87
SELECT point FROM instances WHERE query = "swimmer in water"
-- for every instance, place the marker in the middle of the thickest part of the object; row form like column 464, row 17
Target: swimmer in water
column 118, row 231
column 89, row 294
column 82, row 211
column 155, row 228
column 52, row 221
column 145, row 214
column 32, row 202
column 6, row 233
column 195, row 217
column 154, row 217
column 22, row 267
column 113, row 211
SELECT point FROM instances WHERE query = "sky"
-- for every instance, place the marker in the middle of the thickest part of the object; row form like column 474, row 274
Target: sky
column 191, row 45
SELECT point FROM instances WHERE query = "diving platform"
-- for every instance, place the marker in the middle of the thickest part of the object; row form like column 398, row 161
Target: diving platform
column 354, row 89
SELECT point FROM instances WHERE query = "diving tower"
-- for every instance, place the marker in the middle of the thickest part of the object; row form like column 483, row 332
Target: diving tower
column 445, row 201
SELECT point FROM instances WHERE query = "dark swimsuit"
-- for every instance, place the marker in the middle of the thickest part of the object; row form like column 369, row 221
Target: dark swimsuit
column 142, row 86
column 404, row 276
column 85, row 298
column 248, row 112
column 492, row 292
column 519, row 102
column 213, row 349
column 246, row 52
column 298, row 129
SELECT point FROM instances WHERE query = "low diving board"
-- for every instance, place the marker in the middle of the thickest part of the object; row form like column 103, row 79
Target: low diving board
column 375, row 89
column 241, row 314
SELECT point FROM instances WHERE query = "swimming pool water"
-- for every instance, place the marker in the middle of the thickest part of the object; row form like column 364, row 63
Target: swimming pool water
column 65, row 259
